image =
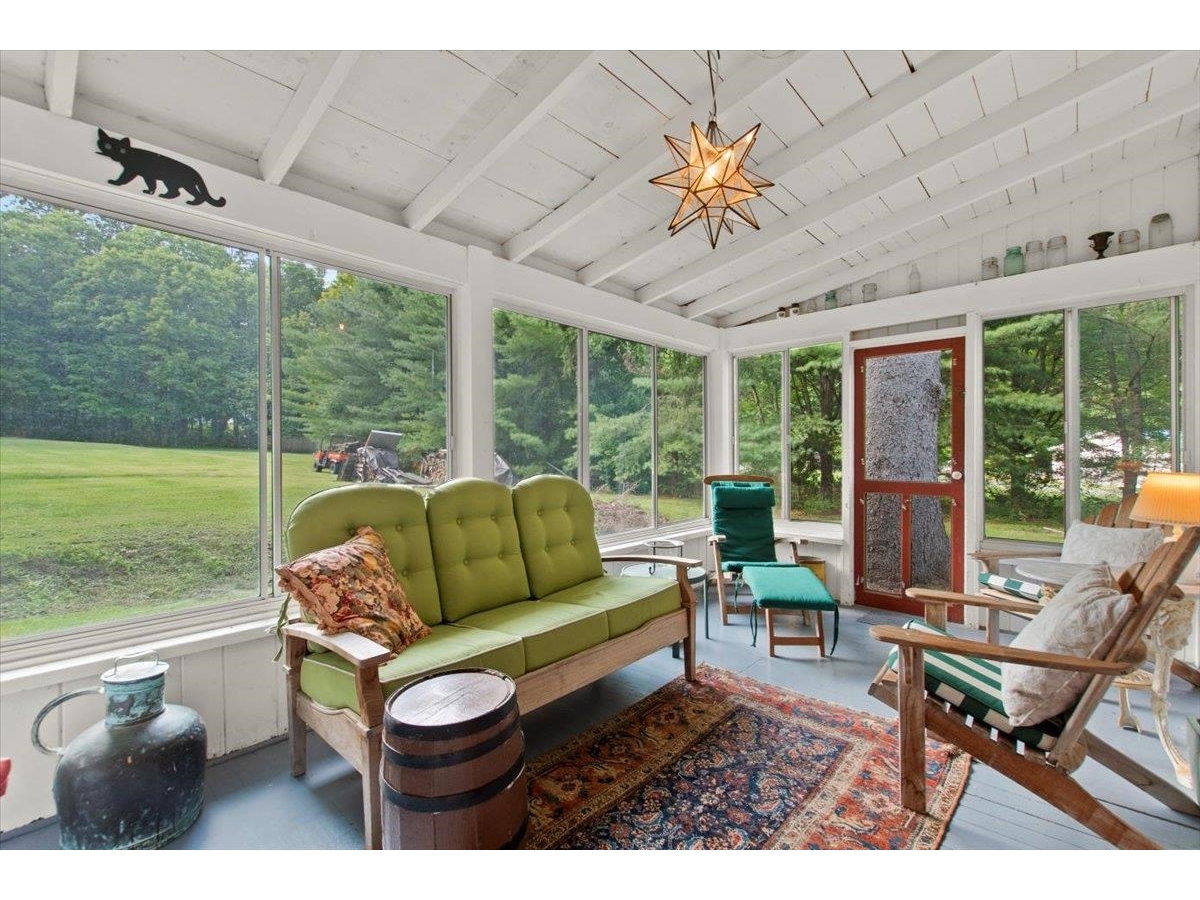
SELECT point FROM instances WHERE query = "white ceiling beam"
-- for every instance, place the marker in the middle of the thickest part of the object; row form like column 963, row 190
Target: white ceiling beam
column 525, row 110
column 62, row 67
column 792, row 272
column 1059, row 93
column 312, row 97
column 945, row 67
column 649, row 153
column 1073, row 190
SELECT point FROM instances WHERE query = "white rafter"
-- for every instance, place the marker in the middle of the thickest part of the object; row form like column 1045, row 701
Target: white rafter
column 62, row 66
column 525, row 110
column 325, row 74
column 1061, row 195
column 792, row 272
column 944, row 67
column 1063, row 92
column 649, row 153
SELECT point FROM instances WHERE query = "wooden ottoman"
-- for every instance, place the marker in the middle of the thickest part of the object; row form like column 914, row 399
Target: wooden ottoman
column 794, row 589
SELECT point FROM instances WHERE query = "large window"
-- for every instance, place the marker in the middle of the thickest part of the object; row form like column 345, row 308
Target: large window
column 1120, row 399
column 644, row 444
column 811, row 418
column 364, row 382
column 536, row 393
column 129, row 420
column 132, row 424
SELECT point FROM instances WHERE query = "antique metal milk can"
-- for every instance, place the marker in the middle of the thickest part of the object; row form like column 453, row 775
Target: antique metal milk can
column 135, row 780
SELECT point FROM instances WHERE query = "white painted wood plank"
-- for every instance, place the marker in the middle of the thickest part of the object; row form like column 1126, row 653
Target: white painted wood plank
column 1174, row 71
column 529, row 171
column 871, row 150
column 204, row 690
column 631, row 71
column 827, row 83
column 1010, row 147
column 28, row 65
column 347, row 152
column 683, row 71
column 878, row 68
column 995, row 83
column 1033, row 69
column 202, row 96
column 285, row 67
column 14, row 87
column 1085, row 221
column 513, row 69
column 954, row 106
column 969, row 259
column 568, row 146
column 1050, row 129
column 317, row 89
column 900, row 196
column 608, row 113
column 849, row 219
column 780, row 109
column 28, row 796
column 1182, row 187
column 494, row 139
column 975, row 162
column 83, row 712
column 1121, row 95
column 919, row 57
column 960, row 216
column 1076, row 168
column 927, row 229
column 610, row 225
column 805, row 185
column 1022, row 190
column 912, row 128
column 61, row 69
column 251, row 693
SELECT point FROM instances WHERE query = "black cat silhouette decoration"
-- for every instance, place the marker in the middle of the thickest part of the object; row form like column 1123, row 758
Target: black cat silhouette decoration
column 153, row 168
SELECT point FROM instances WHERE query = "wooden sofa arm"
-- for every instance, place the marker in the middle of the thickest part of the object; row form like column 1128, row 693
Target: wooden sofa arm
column 646, row 558
column 908, row 637
column 1014, row 605
column 354, row 648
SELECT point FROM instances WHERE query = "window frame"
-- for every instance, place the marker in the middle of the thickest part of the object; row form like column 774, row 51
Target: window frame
column 97, row 639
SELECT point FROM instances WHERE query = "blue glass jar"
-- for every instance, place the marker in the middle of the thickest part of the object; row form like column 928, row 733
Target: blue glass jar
column 1014, row 261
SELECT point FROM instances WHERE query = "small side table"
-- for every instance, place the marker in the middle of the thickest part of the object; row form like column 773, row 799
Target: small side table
column 697, row 576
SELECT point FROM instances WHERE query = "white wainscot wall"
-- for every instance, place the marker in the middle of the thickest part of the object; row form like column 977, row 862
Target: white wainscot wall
column 237, row 689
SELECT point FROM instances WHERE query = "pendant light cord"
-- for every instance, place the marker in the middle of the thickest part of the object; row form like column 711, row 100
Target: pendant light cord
column 712, row 81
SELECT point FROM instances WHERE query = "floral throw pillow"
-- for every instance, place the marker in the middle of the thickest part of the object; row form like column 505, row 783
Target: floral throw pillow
column 353, row 587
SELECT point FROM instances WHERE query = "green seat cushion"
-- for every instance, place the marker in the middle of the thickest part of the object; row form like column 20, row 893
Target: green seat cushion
column 476, row 550
column 557, row 525
column 628, row 601
column 548, row 631
column 787, row 588
column 329, row 680
column 973, row 685
column 742, row 511
column 330, row 517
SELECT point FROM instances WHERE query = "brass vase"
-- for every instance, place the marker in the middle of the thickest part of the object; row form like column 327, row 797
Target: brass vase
column 1100, row 242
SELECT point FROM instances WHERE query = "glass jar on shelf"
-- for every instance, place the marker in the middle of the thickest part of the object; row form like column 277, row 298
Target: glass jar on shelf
column 1056, row 251
column 990, row 269
column 1014, row 261
column 1162, row 231
column 870, row 292
column 914, row 279
column 1129, row 241
column 1035, row 256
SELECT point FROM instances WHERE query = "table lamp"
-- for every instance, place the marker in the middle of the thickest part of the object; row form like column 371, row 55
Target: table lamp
column 1169, row 498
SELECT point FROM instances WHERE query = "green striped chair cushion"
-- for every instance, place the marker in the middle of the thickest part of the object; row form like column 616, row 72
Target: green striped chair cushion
column 1027, row 590
column 973, row 686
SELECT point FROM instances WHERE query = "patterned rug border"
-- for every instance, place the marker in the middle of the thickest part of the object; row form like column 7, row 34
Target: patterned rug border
column 739, row 689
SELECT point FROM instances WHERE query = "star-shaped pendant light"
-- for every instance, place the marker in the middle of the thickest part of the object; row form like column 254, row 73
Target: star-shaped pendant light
column 712, row 180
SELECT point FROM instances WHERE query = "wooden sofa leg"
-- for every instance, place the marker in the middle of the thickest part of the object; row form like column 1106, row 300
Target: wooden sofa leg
column 912, row 728
column 297, row 730
column 372, row 797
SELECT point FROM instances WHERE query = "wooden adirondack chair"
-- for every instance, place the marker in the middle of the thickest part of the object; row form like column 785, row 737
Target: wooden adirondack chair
column 1045, row 772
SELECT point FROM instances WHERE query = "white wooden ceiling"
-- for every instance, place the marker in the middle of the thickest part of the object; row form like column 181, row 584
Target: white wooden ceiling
column 544, row 156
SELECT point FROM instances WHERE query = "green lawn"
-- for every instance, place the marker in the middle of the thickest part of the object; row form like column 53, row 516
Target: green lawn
column 90, row 532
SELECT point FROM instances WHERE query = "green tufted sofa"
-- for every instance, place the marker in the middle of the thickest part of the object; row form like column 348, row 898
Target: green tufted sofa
column 507, row 578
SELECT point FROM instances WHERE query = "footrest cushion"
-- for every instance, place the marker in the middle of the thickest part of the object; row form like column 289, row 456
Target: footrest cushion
column 792, row 588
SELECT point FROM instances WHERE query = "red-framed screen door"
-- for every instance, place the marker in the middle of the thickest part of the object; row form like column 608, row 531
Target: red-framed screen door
column 908, row 472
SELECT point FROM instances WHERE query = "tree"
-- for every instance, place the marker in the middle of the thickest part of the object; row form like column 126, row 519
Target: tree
column 816, row 439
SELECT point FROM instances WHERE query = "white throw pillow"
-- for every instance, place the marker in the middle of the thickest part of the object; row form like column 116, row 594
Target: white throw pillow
column 1082, row 619
column 1120, row 548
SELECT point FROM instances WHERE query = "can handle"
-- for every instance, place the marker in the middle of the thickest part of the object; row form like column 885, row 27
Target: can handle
column 131, row 657
column 56, row 702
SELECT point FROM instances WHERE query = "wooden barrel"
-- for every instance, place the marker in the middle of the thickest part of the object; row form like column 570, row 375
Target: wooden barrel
column 453, row 768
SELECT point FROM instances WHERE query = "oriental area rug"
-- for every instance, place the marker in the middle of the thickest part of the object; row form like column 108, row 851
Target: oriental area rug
column 729, row 762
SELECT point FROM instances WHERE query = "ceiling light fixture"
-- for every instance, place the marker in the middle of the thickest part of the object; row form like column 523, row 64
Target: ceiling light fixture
column 712, row 180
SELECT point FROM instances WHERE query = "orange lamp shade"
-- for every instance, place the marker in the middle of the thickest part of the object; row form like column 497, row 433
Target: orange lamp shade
column 1168, row 498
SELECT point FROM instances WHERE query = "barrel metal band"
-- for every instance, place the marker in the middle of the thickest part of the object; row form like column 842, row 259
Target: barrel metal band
column 451, row 729
column 454, row 757
column 449, row 802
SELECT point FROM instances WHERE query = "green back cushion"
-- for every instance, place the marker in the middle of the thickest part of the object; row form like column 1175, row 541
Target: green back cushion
column 330, row 517
column 476, row 550
column 742, row 512
column 557, row 525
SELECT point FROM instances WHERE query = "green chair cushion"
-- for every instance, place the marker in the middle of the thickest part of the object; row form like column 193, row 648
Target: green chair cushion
column 548, row 631
column 741, row 510
column 330, row 517
column 476, row 549
column 787, row 588
column 973, row 685
column 628, row 601
column 557, row 527
column 329, row 680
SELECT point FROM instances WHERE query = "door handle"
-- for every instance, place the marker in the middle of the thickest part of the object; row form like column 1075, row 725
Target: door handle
column 956, row 475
